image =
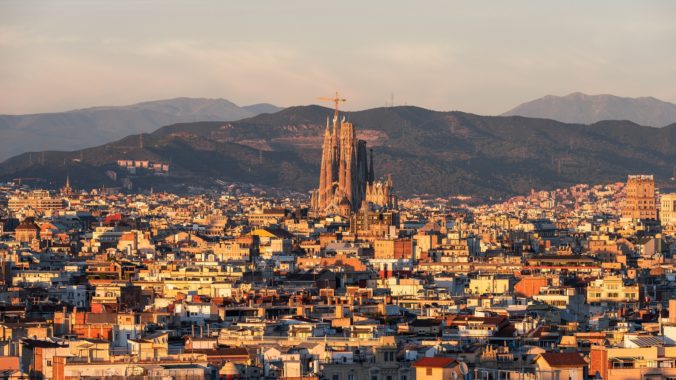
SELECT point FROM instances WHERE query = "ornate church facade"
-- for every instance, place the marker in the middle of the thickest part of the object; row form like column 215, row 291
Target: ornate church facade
column 347, row 180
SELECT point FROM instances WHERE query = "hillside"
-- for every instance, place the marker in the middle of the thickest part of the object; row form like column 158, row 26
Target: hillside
column 443, row 153
column 94, row 126
column 587, row 109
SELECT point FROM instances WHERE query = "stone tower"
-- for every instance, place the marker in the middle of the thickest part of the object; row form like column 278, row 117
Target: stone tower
column 346, row 176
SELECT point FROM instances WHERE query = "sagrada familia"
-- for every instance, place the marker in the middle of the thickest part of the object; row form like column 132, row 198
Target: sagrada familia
column 347, row 180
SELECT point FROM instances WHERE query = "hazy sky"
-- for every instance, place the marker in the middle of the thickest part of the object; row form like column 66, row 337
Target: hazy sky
column 476, row 56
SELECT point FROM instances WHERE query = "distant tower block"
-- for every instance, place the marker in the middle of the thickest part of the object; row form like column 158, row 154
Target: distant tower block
column 640, row 200
column 668, row 210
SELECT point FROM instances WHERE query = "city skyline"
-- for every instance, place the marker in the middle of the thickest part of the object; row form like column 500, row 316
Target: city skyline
column 358, row 213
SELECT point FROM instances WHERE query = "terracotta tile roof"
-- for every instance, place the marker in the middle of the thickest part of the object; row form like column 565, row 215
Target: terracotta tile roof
column 564, row 359
column 28, row 224
column 10, row 363
column 426, row 322
column 436, row 362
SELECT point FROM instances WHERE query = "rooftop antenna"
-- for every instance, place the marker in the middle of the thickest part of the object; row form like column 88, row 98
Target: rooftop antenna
column 336, row 100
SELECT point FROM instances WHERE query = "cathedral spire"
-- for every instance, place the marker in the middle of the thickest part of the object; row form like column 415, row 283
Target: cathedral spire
column 66, row 189
column 327, row 131
column 347, row 178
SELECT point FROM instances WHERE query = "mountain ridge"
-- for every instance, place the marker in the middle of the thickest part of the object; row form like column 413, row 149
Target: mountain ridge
column 80, row 128
column 578, row 107
column 432, row 152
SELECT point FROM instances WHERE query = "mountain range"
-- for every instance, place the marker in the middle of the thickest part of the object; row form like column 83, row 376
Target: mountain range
column 427, row 152
column 89, row 127
column 588, row 109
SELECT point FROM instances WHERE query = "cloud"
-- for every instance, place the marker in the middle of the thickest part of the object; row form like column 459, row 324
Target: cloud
column 450, row 56
column 417, row 54
column 12, row 37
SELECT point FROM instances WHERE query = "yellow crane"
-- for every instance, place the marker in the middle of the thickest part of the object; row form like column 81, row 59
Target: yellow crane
column 336, row 100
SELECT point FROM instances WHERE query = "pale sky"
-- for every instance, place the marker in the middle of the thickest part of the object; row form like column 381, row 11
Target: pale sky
column 476, row 56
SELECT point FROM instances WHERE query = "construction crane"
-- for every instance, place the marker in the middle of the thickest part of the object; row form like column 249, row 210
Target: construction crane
column 336, row 100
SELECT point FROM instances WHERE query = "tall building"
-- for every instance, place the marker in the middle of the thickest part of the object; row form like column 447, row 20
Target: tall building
column 640, row 198
column 668, row 210
column 346, row 178
column 38, row 200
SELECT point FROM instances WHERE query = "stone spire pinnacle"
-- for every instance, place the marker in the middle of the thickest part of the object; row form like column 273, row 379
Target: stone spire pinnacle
column 347, row 178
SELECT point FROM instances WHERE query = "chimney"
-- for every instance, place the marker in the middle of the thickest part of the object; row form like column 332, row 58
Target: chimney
column 339, row 311
column 381, row 309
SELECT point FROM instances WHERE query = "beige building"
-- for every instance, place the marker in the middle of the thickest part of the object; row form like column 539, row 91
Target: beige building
column 490, row 284
column 640, row 198
column 612, row 289
column 633, row 363
column 38, row 200
column 379, row 363
column 438, row 368
column 183, row 366
column 393, row 249
column 560, row 365
column 27, row 231
column 564, row 298
column 668, row 211
column 151, row 347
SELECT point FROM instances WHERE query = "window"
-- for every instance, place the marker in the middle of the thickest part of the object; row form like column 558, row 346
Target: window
column 403, row 377
column 428, row 371
column 49, row 363
column 335, row 377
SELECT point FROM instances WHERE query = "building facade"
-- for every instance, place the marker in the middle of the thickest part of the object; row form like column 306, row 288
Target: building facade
column 668, row 211
column 640, row 198
column 346, row 176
